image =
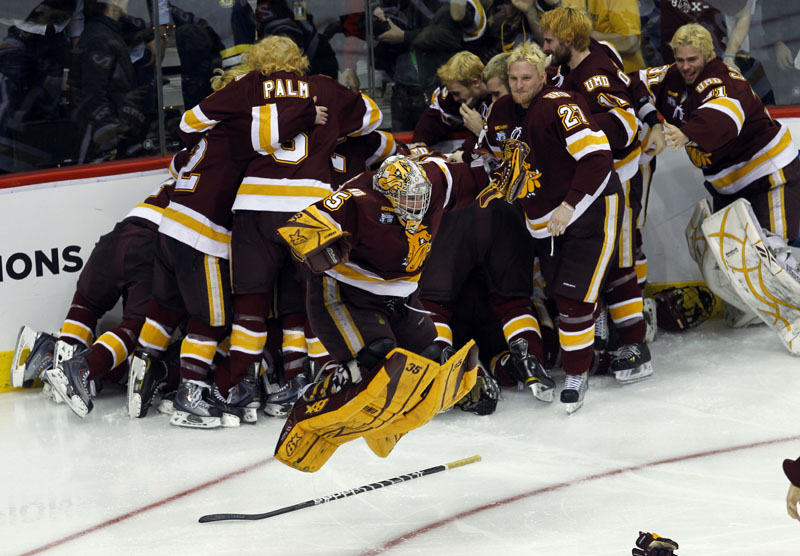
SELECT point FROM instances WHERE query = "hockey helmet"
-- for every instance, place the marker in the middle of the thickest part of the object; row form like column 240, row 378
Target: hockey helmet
column 679, row 309
column 407, row 186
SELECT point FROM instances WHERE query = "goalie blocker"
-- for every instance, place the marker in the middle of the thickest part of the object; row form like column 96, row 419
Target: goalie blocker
column 759, row 269
column 405, row 392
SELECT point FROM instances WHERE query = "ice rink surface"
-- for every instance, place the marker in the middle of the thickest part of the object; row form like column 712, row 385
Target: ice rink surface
column 694, row 454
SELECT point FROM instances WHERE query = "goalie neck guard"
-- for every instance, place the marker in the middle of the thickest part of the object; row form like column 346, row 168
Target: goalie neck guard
column 407, row 186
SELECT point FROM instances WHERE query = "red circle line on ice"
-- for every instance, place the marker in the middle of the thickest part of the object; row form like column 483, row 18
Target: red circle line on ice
column 388, row 545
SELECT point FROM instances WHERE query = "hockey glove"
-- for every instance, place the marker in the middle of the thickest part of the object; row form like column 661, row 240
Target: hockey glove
column 513, row 179
column 315, row 240
column 650, row 544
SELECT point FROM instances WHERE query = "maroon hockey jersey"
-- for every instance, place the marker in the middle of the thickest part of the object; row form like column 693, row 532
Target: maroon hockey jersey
column 604, row 85
column 385, row 259
column 443, row 116
column 732, row 137
column 248, row 118
column 570, row 157
column 299, row 173
column 152, row 208
column 354, row 155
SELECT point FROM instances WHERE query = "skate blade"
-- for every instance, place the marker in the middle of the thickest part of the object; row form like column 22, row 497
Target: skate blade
column 250, row 415
column 60, row 385
column 230, row 421
column 166, row 407
column 573, row 407
column 630, row 376
column 25, row 340
column 49, row 393
column 134, row 406
column 62, row 352
column 135, row 375
column 542, row 392
column 276, row 410
column 183, row 419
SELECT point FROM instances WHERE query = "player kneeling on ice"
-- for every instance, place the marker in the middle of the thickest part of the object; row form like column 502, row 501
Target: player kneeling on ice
column 367, row 245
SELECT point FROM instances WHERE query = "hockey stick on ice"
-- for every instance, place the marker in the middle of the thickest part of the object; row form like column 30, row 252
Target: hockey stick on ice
column 344, row 493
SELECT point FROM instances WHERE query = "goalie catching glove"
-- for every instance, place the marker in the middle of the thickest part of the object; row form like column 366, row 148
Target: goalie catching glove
column 315, row 240
column 513, row 179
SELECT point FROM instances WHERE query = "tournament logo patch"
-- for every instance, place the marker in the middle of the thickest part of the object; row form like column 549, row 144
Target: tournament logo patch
column 387, row 218
column 501, row 136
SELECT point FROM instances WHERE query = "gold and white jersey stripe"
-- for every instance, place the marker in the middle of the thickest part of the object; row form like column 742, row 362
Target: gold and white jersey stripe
column 353, row 275
column 772, row 158
column 279, row 194
column 195, row 121
column 195, row 230
column 731, row 107
column 585, row 142
column 537, row 227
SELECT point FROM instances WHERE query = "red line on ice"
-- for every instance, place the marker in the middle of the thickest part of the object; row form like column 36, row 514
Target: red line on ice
column 446, row 521
column 149, row 507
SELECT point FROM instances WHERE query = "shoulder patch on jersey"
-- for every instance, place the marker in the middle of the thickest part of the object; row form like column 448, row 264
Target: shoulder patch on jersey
column 556, row 94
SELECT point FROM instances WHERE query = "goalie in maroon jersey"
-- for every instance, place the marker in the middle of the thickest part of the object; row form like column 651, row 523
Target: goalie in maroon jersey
column 367, row 245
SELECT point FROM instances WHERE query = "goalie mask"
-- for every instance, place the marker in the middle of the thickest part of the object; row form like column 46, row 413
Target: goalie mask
column 680, row 309
column 404, row 182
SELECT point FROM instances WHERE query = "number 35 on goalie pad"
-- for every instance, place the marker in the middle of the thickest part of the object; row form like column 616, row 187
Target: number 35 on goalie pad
column 771, row 290
column 406, row 392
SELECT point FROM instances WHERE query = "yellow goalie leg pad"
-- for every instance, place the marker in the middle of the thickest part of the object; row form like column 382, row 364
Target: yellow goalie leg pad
column 315, row 430
column 454, row 380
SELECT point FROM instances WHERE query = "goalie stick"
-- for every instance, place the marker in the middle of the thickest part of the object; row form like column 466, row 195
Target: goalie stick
column 344, row 493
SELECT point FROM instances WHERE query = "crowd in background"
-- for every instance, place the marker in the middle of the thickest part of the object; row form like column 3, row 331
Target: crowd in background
column 78, row 79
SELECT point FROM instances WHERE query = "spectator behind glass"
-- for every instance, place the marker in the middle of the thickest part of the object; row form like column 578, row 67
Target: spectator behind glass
column 280, row 17
column 106, row 100
column 430, row 38
column 781, row 23
column 513, row 22
column 32, row 59
column 617, row 22
column 650, row 17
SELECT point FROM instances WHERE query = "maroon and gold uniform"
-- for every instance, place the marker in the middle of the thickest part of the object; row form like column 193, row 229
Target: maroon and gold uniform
column 571, row 162
column 741, row 150
column 601, row 81
column 354, row 155
column 367, row 297
column 248, row 118
column 275, row 187
column 119, row 267
column 442, row 117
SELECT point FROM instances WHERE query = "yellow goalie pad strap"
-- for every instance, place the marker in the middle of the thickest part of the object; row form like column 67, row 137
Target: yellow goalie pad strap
column 314, row 431
column 455, row 379
column 309, row 231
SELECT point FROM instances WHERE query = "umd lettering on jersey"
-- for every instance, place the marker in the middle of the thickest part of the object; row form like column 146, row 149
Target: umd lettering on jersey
column 280, row 88
column 597, row 81
column 707, row 82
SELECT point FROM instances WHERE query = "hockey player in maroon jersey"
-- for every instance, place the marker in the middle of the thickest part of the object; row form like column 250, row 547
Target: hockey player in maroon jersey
column 119, row 267
column 302, row 354
column 363, row 304
column 274, row 187
column 247, row 117
column 752, row 172
column 495, row 241
column 710, row 109
column 571, row 199
column 462, row 96
column 585, row 68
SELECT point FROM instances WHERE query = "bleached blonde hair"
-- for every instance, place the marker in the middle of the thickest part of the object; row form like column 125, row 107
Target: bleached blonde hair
column 271, row 54
column 528, row 52
column 568, row 25
column 693, row 34
column 462, row 67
